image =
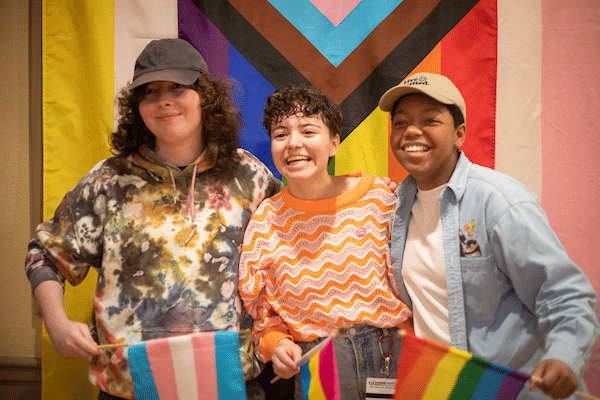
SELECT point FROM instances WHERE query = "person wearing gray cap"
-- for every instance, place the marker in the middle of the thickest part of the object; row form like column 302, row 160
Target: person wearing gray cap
column 473, row 253
column 161, row 222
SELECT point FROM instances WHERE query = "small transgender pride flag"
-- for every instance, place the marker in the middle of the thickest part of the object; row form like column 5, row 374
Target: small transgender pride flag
column 204, row 364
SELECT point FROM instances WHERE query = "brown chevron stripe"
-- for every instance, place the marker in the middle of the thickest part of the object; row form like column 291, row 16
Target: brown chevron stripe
column 337, row 83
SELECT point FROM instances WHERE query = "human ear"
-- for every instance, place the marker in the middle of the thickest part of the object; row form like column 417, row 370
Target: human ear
column 460, row 134
column 335, row 145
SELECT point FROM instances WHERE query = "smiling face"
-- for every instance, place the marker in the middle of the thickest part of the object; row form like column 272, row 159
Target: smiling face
column 172, row 113
column 301, row 147
column 424, row 139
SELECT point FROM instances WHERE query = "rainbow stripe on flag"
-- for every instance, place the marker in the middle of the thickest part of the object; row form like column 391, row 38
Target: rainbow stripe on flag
column 203, row 364
column 432, row 371
column 319, row 376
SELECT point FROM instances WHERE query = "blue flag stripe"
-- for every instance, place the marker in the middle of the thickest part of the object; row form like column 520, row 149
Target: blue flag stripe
column 489, row 384
column 230, row 378
column 143, row 380
column 305, row 378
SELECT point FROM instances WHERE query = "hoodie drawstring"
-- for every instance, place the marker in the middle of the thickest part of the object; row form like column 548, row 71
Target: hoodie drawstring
column 192, row 195
column 193, row 205
column 173, row 185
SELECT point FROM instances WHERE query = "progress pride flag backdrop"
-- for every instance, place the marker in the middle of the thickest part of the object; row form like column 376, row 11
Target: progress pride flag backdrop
column 528, row 71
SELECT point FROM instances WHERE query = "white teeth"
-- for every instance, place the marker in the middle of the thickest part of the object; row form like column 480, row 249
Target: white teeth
column 297, row 158
column 416, row 147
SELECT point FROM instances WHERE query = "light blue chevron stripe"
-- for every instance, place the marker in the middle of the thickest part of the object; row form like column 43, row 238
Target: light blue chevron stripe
column 335, row 43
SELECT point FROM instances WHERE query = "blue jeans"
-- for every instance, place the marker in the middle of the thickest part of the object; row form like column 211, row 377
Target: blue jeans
column 358, row 357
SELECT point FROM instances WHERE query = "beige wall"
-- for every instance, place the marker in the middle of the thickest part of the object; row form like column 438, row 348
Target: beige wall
column 19, row 162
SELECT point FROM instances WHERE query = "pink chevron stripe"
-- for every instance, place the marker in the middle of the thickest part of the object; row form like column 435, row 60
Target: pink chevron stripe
column 161, row 364
column 335, row 10
column 204, row 354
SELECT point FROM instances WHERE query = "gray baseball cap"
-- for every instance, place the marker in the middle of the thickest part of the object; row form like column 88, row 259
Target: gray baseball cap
column 438, row 87
column 171, row 60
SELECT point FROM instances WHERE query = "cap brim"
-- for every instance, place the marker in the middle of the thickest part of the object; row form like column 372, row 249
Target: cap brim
column 183, row 77
column 390, row 97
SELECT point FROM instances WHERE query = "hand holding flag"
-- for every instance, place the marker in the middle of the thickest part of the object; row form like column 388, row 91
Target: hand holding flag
column 318, row 371
column 309, row 354
column 553, row 377
column 430, row 370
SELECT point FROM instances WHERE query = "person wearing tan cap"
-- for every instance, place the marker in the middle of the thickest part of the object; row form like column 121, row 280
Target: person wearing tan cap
column 162, row 221
column 473, row 253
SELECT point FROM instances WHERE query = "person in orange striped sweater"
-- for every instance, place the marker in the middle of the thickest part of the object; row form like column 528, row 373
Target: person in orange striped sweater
column 316, row 257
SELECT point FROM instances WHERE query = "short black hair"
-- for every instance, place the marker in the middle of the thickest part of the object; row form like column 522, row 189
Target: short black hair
column 456, row 114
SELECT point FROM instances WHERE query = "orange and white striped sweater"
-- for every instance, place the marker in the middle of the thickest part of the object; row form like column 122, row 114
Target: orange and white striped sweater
column 309, row 267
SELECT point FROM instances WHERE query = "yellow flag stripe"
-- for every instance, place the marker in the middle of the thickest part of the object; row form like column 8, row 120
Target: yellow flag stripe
column 366, row 148
column 443, row 379
column 315, row 390
column 77, row 92
column 77, row 109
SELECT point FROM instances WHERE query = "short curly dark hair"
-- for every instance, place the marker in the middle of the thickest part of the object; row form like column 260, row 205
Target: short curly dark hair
column 221, row 122
column 305, row 100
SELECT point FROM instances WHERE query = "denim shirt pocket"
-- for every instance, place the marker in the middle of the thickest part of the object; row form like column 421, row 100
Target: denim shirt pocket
column 483, row 287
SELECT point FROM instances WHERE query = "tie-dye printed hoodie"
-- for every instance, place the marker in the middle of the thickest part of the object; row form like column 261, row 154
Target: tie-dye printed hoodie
column 165, row 243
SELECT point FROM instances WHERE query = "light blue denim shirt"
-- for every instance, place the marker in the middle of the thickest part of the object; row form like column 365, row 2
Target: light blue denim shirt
column 514, row 296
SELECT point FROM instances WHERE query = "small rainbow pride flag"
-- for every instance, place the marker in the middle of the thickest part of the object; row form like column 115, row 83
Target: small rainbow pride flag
column 201, row 365
column 432, row 371
column 319, row 376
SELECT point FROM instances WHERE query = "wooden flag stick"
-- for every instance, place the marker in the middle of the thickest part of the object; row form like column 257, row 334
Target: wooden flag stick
column 577, row 392
column 307, row 356
column 111, row 345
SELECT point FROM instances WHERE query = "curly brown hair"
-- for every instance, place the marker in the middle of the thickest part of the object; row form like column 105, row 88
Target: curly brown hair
column 221, row 122
column 305, row 100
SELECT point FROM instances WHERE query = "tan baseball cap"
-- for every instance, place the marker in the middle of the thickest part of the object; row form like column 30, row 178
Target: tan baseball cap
column 438, row 87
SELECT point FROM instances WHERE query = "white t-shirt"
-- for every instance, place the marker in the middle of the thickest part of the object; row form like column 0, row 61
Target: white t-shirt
column 424, row 268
